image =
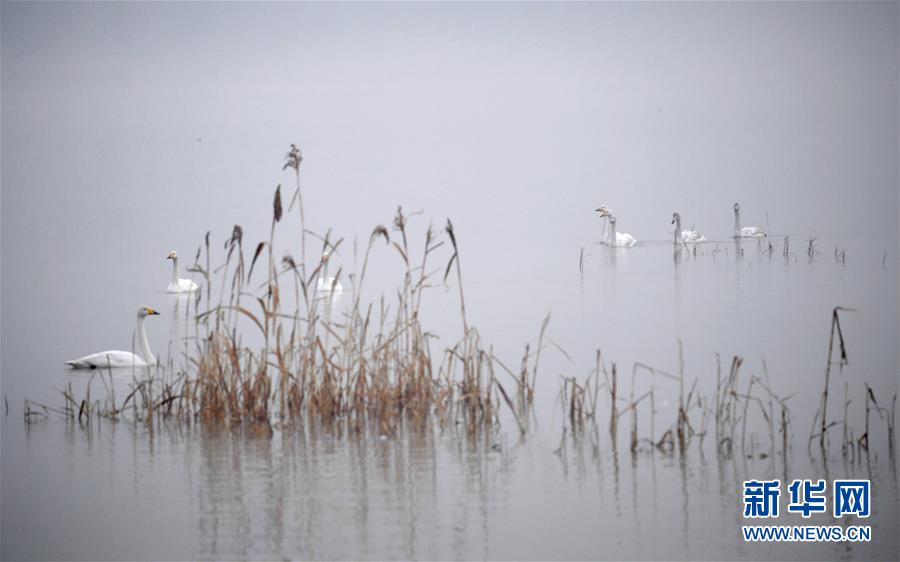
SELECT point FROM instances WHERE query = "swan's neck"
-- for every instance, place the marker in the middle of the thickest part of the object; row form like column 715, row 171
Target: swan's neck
column 677, row 227
column 175, row 270
column 604, row 229
column 144, row 343
column 737, row 222
column 611, row 232
column 325, row 271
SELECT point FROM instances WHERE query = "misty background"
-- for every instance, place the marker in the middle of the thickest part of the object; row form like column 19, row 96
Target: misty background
column 514, row 120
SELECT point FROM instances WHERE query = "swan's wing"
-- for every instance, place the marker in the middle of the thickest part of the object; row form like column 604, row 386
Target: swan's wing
column 114, row 358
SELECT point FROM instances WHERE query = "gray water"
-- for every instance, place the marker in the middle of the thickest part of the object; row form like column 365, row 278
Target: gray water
column 131, row 130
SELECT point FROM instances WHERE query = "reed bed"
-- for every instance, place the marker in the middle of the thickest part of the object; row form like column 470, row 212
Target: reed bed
column 374, row 365
column 268, row 351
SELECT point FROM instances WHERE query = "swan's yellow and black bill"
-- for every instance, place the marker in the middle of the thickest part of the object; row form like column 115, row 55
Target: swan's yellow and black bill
column 151, row 312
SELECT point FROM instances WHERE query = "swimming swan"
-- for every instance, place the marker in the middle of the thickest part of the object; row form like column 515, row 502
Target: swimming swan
column 619, row 239
column 326, row 284
column 179, row 285
column 604, row 212
column 688, row 236
column 122, row 358
column 747, row 231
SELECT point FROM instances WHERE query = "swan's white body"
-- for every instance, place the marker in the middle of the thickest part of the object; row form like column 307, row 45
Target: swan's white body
column 119, row 359
column 624, row 240
column 329, row 285
column 687, row 236
column 752, row 232
column 619, row 239
column 177, row 285
column 182, row 286
column 746, row 231
column 604, row 212
column 114, row 359
column 692, row 236
column 326, row 284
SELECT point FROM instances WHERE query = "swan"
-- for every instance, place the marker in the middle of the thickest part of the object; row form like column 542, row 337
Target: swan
column 326, row 284
column 747, row 231
column 122, row 358
column 686, row 235
column 619, row 239
column 604, row 212
column 177, row 285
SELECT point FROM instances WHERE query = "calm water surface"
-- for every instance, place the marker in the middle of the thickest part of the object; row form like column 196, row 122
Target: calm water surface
column 191, row 491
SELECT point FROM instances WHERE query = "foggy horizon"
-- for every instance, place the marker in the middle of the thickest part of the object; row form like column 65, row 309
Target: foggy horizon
column 530, row 115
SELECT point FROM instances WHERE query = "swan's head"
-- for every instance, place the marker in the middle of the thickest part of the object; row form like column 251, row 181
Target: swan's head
column 737, row 207
column 173, row 255
column 675, row 218
column 145, row 311
column 603, row 210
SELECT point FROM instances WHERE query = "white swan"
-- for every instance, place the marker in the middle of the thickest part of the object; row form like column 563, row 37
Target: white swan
column 687, row 236
column 604, row 212
column 326, row 284
column 747, row 231
column 177, row 285
column 619, row 239
column 122, row 358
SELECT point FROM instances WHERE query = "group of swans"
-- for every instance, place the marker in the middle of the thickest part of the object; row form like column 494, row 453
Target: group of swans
column 610, row 237
column 124, row 359
column 608, row 234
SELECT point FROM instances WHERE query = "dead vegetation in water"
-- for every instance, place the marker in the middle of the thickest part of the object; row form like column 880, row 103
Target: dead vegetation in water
column 278, row 355
column 374, row 365
column 737, row 399
column 766, row 247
